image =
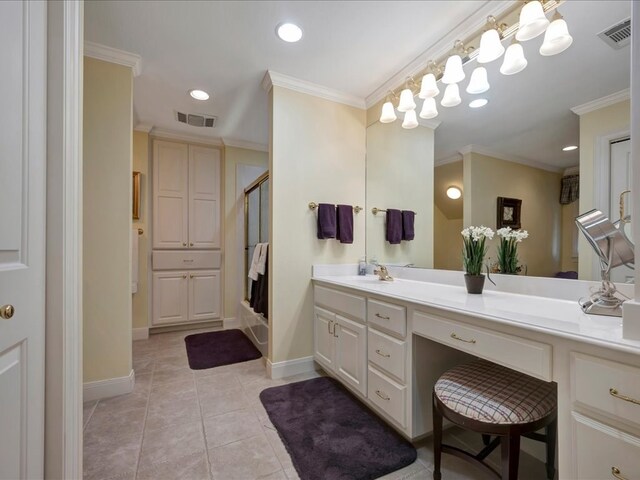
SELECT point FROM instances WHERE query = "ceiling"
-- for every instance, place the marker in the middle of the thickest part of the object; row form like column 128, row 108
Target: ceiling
column 225, row 48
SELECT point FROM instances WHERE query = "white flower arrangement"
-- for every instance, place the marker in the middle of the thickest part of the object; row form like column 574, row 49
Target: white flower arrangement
column 508, row 249
column 477, row 233
column 508, row 233
column 474, row 248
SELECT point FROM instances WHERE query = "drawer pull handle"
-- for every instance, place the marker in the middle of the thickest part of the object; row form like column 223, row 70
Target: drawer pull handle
column 382, row 395
column 615, row 471
column 329, row 326
column 456, row 337
column 188, row 261
column 382, row 317
column 382, row 354
column 614, row 393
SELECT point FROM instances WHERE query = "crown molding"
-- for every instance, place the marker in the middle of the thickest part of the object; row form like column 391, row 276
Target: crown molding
column 185, row 137
column 113, row 55
column 508, row 158
column 451, row 159
column 272, row 79
column 143, row 127
column 473, row 23
column 599, row 103
column 259, row 147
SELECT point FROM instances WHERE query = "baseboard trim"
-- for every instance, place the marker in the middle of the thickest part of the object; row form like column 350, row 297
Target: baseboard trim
column 140, row 333
column 229, row 323
column 290, row 367
column 110, row 387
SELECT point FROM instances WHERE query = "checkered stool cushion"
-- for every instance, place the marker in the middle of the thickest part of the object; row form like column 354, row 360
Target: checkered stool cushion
column 491, row 393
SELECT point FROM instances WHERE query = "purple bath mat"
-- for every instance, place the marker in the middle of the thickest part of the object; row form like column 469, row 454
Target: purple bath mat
column 330, row 435
column 213, row 349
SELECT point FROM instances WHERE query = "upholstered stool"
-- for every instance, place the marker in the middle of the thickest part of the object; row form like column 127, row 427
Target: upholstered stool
column 493, row 400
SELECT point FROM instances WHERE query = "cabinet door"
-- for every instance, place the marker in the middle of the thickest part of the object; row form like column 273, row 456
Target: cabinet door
column 170, row 194
column 170, row 298
column 323, row 339
column 204, row 295
column 204, row 197
column 351, row 353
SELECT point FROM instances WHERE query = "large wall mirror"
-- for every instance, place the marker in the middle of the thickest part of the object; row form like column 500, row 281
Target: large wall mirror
column 512, row 148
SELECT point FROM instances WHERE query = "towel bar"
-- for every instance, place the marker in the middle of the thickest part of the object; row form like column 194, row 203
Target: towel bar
column 314, row 205
column 376, row 210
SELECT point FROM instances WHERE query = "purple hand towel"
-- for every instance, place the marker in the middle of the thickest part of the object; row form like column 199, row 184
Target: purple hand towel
column 326, row 221
column 394, row 226
column 345, row 223
column 408, row 218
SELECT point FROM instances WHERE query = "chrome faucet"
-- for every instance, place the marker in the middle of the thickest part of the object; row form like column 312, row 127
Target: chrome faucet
column 383, row 273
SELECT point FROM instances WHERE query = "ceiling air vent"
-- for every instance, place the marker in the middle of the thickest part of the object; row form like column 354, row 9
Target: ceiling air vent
column 196, row 120
column 617, row 36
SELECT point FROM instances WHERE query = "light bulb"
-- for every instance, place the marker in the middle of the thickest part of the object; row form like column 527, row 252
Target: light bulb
column 514, row 60
column 388, row 113
column 556, row 38
column 429, row 87
column 406, row 101
column 429, row 109
column 451, row 96
column 478, row 82
column 532, row 21
column 454, row 193
column 490, row 46
column 453, row 72
column 410, row 120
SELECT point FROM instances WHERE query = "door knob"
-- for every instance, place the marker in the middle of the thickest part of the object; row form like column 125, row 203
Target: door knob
column 7, row 311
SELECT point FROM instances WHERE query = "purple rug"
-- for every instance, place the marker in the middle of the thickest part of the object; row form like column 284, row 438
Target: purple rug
column 213, row 349
column 330, row 435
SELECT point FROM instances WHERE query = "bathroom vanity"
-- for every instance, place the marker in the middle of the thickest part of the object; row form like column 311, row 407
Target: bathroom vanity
column 389, row 341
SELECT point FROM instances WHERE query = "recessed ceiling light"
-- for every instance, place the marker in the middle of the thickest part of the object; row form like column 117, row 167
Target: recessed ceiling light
column 454, row 193
column 289, row 32
column 478, row 102
column 569, row 148
column 199, row 94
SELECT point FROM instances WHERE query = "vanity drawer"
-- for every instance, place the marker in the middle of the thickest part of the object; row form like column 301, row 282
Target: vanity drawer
column 388, row 395
column 341, row 302
column 609, row 387
column 387, row 317
column 521, row 354
column 184, row 259
column 599, row 449
column 387, row 353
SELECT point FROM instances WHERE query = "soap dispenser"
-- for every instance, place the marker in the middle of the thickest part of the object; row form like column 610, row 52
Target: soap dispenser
column 362, row 266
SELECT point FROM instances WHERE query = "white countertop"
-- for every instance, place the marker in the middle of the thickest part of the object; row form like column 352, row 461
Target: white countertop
column 561, row 318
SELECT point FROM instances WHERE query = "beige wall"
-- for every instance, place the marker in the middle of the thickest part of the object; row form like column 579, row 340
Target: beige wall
column 569, row 261
column 107, row 144
column 486, row 178
column 605, row 121
column 232, row 245
column 317, row 154
column 141, row 164
column 447, row 242
column 400, row 175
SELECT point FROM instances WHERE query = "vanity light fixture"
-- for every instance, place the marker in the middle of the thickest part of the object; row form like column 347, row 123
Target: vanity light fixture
column 429, row 109
column 514, row 61
column 199, row 94
column 451, row 96
column 406, row 98
column 478, row 82
column 570, row 148
column 289, row 32
column 454, row 193
column 429, row 87
column 388, row 114
column 491, row 47
column 453, row 71
column 410, row 120
column 478, row 102
column 533, row 21
column 556, row 38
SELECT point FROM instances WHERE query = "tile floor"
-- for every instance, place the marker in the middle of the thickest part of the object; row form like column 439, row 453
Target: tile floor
column 180, row 424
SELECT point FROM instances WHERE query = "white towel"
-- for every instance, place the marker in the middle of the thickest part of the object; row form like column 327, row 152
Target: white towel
column 262, row 261
column 253, row 270
column 134, row 260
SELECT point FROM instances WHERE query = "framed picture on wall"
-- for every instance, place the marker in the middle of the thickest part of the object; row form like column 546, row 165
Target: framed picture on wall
column 136, row 195
column 508, row 214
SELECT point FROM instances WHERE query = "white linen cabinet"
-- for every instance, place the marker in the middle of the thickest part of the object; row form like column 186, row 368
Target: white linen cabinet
column 186, row 242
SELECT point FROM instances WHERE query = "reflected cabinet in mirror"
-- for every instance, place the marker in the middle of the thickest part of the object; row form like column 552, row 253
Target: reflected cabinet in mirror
column 515, row 148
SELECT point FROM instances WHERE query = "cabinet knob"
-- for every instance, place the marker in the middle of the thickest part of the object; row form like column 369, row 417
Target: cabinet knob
column 191, row 275
column 184, row 276
column 191, row 244
column 184, row 244
column 7, row 311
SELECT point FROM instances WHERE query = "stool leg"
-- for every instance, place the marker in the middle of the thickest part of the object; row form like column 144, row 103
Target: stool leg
column 437, row 442
column 510, row 446
column 551, row 432
column 486, row 439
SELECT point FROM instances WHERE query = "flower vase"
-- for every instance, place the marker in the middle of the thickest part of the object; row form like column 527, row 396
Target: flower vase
column 474, row 283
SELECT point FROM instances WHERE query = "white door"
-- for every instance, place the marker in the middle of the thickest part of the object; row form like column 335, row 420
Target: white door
column 323, row 339
column 170, row 197
column 204, row 197
column 620, row 178
column 170, row 298
column 22, row 237
column 204, row 295
column 351, row 353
